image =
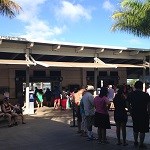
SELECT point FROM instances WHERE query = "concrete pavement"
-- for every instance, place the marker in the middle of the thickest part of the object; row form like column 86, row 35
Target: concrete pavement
column 50, row 129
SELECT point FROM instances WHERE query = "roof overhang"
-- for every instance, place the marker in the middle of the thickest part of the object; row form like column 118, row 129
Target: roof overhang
column 68, row 64
column 15, row 62
column 85, row 65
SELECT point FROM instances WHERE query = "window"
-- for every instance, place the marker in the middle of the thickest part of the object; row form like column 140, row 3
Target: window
column 39, row 73
column 102, row 73
column 90, row 73
column 55, row 73
column 20, row 73
column 113, row 73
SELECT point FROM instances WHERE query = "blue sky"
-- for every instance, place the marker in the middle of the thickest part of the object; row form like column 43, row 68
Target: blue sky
column 74, row 21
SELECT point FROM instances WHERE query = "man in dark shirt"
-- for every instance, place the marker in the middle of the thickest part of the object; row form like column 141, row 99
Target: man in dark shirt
column 138, row 102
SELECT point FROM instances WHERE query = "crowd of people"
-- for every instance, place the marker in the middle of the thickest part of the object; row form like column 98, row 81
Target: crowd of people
column 94, row 111
column 52, row 97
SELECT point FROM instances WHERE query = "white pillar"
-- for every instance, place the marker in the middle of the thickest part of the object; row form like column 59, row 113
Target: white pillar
column 27, row 83
column 27, row 91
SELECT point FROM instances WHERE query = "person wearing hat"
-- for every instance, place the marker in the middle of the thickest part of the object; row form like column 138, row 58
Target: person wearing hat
column 88, row 105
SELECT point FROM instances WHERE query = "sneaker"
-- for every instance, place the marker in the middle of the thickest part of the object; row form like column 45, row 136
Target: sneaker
column 89, row 139
column 11, row 125
column 94, row 138
column 119, row 143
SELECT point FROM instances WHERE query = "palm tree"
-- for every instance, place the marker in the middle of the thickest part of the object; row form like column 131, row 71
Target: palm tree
column 9, row 8
column 134, row 17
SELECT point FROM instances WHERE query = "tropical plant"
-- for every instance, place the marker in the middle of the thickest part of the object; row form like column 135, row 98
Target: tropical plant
column 133, row 17
column 9, row 8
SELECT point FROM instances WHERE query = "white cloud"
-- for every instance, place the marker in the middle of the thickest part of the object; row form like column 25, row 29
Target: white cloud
column 73, row 12
column 41, row 31
column 35, row 28
column 135, row 41
column 107, row 5
column 29, row 10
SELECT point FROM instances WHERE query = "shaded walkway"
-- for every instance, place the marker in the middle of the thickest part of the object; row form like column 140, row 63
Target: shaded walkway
column 49, row 129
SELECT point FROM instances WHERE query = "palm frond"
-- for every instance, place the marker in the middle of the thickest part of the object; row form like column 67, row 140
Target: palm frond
column 9, row 8
column 134, row 17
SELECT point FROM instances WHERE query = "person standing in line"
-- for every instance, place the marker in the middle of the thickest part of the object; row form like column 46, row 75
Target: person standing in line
column 39, row 95
column 57, row 95
column 83, row 122
column 48, row 96
column 102, row 121
column 88, row 103
column 138, row 102
column 111, row 95
column 77, row 98
column 35, row 95
column 120, row 115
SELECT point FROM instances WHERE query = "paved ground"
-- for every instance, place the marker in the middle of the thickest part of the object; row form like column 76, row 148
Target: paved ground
column 50, row 129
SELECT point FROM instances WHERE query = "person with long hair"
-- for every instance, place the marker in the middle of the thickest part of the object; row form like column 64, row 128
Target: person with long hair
column 102, row 121
column 120, row 115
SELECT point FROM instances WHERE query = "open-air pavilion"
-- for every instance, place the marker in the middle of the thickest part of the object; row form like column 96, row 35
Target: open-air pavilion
column 68, row 64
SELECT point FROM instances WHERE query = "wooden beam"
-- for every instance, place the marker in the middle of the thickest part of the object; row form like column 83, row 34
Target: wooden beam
column 100, row 50
column 30, row 45
column 117, row 52
column 56, row 47
column 133, row 53
column 79, row 49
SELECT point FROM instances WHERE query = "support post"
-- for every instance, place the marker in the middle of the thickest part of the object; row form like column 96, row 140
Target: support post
column 149, row 66
column 95, row 80
column 144, row 76
column 27, row 83
column 27, row 91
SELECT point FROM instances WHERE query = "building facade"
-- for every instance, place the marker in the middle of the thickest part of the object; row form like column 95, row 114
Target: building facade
column 66, row 65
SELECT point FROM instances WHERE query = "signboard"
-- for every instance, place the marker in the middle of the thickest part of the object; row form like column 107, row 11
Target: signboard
column 31, row 102
column 31, row 97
